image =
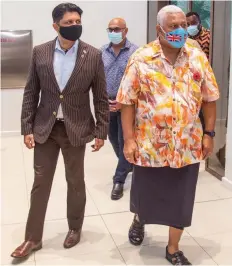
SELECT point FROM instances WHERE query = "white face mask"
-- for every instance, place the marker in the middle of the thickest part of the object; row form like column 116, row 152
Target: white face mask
column 193, row 30
column 115, row 37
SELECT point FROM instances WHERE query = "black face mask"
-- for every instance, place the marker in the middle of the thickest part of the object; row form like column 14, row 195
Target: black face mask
column 71, row 33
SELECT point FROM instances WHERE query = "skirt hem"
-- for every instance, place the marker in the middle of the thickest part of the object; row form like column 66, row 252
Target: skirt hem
column 163, row 223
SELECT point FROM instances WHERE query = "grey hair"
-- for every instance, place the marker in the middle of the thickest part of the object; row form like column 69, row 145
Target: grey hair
column 167, row 10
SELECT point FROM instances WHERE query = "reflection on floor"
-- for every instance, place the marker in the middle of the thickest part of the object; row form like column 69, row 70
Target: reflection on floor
column 104, row 239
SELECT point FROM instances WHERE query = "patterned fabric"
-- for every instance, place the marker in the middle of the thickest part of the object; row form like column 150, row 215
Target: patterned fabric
column 88, row 74
column 63, row 64
column 115, row 65
column 168, row 99
column 203, row 38
column 193, row 43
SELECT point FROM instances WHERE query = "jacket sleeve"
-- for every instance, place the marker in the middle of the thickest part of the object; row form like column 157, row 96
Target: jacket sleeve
column 30, row 98
column 100, row 100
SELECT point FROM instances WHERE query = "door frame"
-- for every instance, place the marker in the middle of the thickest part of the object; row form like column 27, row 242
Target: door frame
column 220, row 57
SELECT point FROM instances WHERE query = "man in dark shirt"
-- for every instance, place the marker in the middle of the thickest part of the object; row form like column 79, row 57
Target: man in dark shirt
column 197, row 32
column 115, row 56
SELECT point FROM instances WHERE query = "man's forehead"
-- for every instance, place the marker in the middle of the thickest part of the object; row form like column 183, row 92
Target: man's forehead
column 178, row 17
column 71, row 15
column 192, row 18
column 117, row 22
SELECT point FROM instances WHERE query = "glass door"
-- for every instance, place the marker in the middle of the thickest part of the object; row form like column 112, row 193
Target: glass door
column 220, row 63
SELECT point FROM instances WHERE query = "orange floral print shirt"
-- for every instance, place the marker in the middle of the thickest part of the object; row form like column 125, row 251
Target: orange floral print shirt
column 167, row 100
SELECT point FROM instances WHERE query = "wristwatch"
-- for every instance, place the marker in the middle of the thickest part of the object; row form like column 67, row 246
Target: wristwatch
column 210, row 133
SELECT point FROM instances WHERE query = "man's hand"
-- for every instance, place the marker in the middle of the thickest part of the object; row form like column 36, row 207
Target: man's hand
column 118, row 106
column 207, row 146
column 113, row 105
column 98, row 144
column 29, row 141
column 131, row 152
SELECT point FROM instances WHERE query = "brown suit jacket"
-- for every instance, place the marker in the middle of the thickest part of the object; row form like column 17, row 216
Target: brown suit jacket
column 42, row 96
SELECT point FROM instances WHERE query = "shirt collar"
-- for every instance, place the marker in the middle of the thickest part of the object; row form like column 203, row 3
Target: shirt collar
column 73, row 48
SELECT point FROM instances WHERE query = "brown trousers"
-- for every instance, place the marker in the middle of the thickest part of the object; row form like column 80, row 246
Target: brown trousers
column 45, row 161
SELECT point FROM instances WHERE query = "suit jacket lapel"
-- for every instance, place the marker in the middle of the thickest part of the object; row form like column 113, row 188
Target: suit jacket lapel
column 81, row 56
column 50, row 56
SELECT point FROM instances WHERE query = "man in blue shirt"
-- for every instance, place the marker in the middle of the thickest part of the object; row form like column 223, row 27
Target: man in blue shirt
column 115, row 56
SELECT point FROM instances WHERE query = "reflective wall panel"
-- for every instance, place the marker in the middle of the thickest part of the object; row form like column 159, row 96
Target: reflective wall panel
column 16, row 48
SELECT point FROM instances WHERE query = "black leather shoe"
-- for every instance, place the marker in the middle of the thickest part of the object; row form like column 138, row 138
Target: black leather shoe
column 117, row 191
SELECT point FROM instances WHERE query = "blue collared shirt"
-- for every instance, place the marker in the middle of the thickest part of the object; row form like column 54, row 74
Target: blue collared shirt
column 115, row 65
column 63, row 65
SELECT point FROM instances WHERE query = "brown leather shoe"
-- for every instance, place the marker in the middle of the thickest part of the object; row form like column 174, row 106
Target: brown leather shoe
column 26, row 249
column 73, row 237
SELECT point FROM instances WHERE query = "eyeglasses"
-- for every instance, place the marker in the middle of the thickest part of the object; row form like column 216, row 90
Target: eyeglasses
column 117, row 29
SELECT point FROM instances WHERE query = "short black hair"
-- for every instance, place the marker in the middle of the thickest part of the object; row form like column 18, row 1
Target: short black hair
column 189, row 14
column 59, row 11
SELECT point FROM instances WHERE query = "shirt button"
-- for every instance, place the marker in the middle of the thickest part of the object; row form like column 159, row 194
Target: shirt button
column 61, row 96
column 54, row 113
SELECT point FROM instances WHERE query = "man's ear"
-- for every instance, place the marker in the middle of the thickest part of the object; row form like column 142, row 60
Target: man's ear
column 55, row 27
column 158, row 30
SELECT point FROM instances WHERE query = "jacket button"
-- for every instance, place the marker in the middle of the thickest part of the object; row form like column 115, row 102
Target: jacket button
column 61, row 96
column 54, row 113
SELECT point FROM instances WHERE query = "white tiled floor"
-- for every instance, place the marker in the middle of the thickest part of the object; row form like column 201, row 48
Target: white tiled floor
column 104, row 238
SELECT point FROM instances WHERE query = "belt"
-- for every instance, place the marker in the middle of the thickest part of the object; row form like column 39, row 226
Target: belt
column 60, row 119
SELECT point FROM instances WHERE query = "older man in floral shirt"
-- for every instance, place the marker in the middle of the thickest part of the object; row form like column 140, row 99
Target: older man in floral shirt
column 165, row 84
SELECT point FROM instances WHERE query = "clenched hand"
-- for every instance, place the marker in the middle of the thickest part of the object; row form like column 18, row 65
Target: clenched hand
column 207, row 146
column 98, row 144
column 29, row 141
column 131, row 152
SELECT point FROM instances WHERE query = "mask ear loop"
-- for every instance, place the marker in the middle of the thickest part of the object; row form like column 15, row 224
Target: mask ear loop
column 163, row 36
column 122, row 32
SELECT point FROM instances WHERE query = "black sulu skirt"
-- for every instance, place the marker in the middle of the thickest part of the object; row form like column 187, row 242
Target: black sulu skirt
column 164, row 195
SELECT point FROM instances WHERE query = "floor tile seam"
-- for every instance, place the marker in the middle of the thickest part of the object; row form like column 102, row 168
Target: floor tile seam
column 203, row 249
column 113, row 240
column 47, row 220
column 103, row 250
column 206, row 201
column 112, row 213
column 210, row 234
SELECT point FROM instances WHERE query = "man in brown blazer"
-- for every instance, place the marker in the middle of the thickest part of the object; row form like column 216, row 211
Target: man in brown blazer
column 56, row 116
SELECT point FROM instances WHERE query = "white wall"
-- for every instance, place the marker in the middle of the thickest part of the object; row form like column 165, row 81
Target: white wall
column 36, row 16
column 228, row 173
